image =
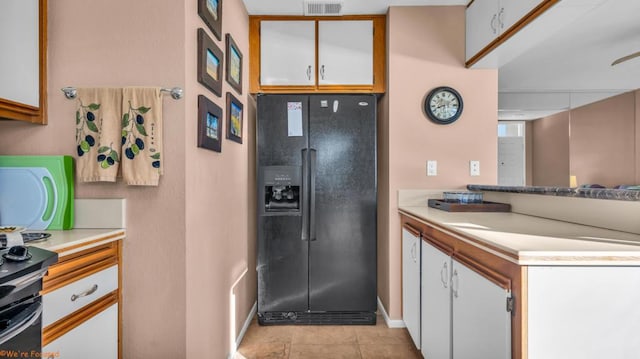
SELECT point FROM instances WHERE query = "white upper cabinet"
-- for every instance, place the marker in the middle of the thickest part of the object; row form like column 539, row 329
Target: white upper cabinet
column 287, row 53
column 294, row 54
column 488, row 19
column 513, row 11
column 482, row 25
column 345, row 52
column 20, row 59
column 23, row 60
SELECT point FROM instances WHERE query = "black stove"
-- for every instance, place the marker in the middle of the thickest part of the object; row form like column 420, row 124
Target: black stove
column 20, row 301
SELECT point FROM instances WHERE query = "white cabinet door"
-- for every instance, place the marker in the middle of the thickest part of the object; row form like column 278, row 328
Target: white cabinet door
column 287, row 53
column 482, row 25
column 411, row 284
column 20, row 60
column 96, row 338
column 511, row 11
column 435, row 303
column 345, row 52
column 481, row 322
column 583, row 312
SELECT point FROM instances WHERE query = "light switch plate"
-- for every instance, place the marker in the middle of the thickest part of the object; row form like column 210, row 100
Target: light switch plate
column 474, row 168
column 432, row 168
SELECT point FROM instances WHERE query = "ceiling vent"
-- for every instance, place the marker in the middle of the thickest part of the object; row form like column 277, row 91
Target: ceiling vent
column 323, row 8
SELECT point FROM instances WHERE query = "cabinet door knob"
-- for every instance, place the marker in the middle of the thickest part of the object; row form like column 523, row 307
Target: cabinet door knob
column 493, row 23
column 85, row 293
column 322, row 72
column 444, row 275
column 501, row 18
column 413, row 252
column 309, row 72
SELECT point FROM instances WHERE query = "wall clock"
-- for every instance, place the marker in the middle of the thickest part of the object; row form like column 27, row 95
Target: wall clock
column 443, row 105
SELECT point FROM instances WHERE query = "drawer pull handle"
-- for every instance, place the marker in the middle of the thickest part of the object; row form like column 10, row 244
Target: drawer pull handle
column 85, row 293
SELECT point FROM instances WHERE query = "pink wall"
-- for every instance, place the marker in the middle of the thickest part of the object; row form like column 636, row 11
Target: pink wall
column 551, row 150
column 602, row 141
column 597, row 143
column 426, row 50
column 218, row 192
column 189, row 239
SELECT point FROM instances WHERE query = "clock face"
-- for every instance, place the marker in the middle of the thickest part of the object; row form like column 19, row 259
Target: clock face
column 443, row 105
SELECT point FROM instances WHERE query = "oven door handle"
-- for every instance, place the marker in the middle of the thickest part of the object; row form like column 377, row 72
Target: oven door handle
column 20, row 283
column 20, row 322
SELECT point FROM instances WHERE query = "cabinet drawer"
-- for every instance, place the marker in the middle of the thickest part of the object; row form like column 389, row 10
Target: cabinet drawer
column 75, row 295
column 96, row 338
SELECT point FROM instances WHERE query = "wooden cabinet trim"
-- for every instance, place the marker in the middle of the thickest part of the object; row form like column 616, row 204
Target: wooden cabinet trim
column 489, row 274
column 80, row 265
column 524, row 21
column 23, row 112
column 73, row 320
column 379, row 56
column 439, row 245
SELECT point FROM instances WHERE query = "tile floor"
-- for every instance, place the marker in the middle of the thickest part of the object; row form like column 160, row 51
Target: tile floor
column 326, row 342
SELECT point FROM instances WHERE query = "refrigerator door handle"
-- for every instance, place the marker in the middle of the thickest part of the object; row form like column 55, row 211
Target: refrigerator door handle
column 304, row 196
column 312, row 194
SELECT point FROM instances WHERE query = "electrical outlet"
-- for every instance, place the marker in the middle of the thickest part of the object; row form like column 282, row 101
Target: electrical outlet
column 432, row 168
column 474, row 168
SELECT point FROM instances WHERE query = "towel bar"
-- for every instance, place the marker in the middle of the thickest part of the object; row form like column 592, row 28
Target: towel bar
column 176, row 92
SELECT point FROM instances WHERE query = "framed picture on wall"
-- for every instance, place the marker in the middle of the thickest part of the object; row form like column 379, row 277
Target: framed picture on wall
column 234, row 64
column 210, row 61
column 211, row 13
column 234, row 118
column 209, row 124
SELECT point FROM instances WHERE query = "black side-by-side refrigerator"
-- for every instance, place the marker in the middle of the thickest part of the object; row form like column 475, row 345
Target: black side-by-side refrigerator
column 316, row 166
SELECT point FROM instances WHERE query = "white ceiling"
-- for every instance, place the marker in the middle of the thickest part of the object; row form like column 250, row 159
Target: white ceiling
column 572, row 66
column 350, row 7
column 575, row 62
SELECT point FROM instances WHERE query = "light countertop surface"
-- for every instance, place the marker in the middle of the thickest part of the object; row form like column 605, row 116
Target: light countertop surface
column 530, row 240
column 75, row 240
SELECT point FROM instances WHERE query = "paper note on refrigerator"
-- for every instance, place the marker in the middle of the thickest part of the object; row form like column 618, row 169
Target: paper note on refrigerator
column 294, row 118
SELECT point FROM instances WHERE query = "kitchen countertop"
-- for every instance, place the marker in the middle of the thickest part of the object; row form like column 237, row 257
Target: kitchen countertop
column 530, row 240
column 75, row 240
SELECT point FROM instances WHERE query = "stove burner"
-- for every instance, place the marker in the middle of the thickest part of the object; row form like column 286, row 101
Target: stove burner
column 17, row 254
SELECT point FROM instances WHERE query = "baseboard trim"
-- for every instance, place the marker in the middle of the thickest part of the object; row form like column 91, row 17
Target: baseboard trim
column 243, row 331
column 391, row 323
column 247, row 322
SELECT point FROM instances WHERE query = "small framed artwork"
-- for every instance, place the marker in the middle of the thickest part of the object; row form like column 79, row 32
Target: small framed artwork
column 209, row 125
column 234, row 118
column 211, row 13
column 234, row 64
column 210, row 60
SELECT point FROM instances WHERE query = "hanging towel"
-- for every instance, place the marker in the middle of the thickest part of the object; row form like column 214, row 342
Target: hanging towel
column 97, row 134
column 141, row 135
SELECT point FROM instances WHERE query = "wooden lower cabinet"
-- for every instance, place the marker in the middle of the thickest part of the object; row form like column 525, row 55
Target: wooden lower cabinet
column 471, row 300
column 81, row 296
